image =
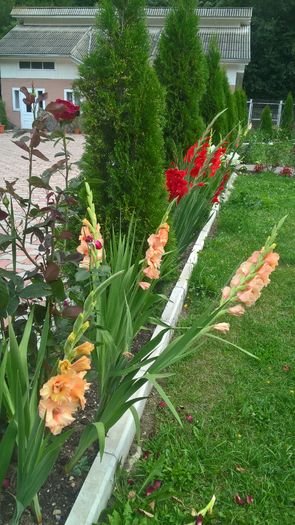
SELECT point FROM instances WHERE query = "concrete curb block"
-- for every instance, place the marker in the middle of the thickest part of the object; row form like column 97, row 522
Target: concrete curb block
column 97, row 488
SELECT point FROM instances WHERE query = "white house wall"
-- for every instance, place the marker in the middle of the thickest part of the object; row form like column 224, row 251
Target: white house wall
column 64, row 69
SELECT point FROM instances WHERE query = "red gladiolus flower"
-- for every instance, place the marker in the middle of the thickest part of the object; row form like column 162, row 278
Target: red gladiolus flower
column 176, row 184
column 63, row 110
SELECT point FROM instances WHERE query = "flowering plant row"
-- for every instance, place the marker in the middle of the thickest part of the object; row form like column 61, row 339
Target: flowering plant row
column 112, row 300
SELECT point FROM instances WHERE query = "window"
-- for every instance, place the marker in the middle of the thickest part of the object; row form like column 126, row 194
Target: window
column 15, row 99
column 70, row 96
column 36, row 65
column 25, row 65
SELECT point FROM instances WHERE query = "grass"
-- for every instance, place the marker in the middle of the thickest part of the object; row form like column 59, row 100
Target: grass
column 241, row 439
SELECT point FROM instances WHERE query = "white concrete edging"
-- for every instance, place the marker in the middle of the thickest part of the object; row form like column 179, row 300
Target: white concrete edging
column 98, row 485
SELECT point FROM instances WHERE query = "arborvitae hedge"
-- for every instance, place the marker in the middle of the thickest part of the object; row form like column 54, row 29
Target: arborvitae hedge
column 181, row 68
column 214, row 99
column 3, row 117
column 241, row 104
column 287, row 122
column 230, row 103
column 266, row 122
column 123, row 117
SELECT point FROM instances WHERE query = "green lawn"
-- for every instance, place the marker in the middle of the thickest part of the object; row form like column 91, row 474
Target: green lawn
column 241, row 440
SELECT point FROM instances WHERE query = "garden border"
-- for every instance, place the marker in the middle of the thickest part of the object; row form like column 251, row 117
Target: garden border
column 98, row 485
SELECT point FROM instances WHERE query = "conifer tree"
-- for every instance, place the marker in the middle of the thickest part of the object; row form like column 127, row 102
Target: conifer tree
column 241, row 104
column 214, row 100
column 123, row 112
column 230, row 103
column 287, row 122
column 266, row 122
column 181, row 68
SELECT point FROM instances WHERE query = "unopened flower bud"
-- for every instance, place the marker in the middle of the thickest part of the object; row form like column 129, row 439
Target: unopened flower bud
column 89, row 238
column 98, row 245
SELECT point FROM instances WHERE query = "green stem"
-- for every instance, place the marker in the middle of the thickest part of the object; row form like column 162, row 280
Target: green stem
column 37, row 509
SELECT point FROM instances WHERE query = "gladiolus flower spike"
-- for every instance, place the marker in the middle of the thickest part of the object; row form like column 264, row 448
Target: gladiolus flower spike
column 252, row 276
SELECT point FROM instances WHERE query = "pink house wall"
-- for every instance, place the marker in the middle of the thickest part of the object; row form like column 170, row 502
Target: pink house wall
column 54, row 88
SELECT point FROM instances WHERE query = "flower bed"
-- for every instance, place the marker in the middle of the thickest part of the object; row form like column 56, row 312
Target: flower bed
column 66, row 327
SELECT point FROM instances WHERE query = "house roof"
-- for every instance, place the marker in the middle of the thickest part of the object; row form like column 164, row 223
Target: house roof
column 42, row 41
column 233, row 43
column 218, row 12
column 76, row 42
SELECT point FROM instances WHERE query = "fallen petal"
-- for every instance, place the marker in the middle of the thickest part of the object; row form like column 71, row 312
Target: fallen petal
column 239, row 500
column 189, row 418
column 250, row 500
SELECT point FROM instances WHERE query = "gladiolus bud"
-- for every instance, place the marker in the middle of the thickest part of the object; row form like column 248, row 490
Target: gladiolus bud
column 98, row 245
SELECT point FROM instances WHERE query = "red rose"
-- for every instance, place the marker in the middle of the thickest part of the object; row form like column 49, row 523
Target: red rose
column 63, row 110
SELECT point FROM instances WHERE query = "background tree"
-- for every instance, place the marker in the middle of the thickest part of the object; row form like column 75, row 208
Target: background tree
column 287, row 122
column 214, row 100
column 123, row 112
column 181, row 68
column 266, row 122
column 6, row 22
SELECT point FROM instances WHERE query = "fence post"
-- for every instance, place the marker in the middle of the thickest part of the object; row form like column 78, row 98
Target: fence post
column 250, row 111
column 279, row 113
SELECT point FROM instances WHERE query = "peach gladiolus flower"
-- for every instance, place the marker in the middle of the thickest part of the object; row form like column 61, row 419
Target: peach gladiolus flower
column 74, row 368
column 84, row 349
column 157, row 242
column 144, row 285
column 251, row 277
column 65, row 388
column 56, row 416
column 237, row 310
column 222, row 327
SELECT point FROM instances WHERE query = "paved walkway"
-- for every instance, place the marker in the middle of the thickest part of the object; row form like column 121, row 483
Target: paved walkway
column 13, row 166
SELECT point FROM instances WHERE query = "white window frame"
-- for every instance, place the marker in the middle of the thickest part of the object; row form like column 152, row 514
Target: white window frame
column 69, row 91
column 41, row 69
column 14, row 89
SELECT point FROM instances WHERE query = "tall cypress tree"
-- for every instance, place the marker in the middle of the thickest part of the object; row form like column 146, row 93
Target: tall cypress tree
column 266, row 122
column 230, row 103
column 181, row 68
column 241, row 103
column 214, row 99
column 287, row 122
column 123, row 110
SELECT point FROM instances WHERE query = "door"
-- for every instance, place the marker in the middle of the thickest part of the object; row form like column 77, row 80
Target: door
column 26, row 112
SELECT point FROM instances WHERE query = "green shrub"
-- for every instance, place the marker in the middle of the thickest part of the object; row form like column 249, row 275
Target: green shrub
column 181, row 68
column 214, row 100
column 266, row 122
column 3, row 117
column 287, row 122
column 123, row 119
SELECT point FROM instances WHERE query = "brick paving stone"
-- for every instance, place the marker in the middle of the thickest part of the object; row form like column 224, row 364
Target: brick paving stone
column 14, row 167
